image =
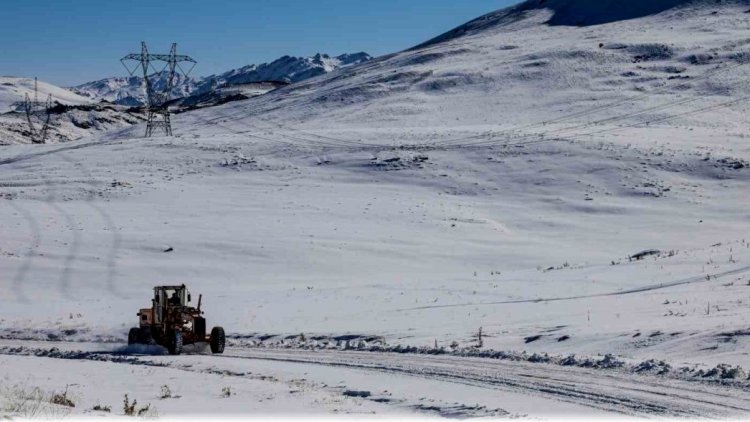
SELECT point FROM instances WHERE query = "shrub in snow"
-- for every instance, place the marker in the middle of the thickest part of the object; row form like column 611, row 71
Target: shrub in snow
column 537, row 358
column 100, row 408
column 653, row 366
column 610, row 361
column 569, row 361
column 128, row 409
column 502, row 355
column 698, row 59
column 29, row 403
column 62, row 399
column 353, row 393
column 607, row 362
column 436, row 351
column 586, row 363
column 724, row 372
column 643, row 254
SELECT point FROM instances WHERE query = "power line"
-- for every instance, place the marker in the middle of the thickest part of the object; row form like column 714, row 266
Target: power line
column 157, row 99
column 38, row 111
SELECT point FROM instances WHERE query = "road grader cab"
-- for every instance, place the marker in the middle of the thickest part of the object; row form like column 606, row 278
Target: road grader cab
column 171, row 322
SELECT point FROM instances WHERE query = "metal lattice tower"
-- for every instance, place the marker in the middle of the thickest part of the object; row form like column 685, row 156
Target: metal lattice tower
column 36, row 110
column 158, row 83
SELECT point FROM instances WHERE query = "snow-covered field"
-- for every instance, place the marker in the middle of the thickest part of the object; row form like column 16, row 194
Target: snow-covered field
column 499, row 177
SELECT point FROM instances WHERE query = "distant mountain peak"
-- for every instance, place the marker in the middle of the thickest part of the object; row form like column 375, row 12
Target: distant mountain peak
column 287, row 69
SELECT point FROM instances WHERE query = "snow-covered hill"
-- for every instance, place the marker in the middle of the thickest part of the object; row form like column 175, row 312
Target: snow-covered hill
column 129, row 91
column 288, row 69
column 572, row 182
column 73, row 116
column 68, row 123
column 14, row 89
column 513, row 67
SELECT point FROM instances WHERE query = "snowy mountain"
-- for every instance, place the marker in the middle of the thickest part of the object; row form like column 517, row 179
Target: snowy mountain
column 129, row 90
column 14, row 89
column 542, row 55
column 290, row 69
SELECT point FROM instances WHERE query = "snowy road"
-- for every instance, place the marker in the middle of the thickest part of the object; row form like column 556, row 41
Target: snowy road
column 594, row 388
column 452, row 386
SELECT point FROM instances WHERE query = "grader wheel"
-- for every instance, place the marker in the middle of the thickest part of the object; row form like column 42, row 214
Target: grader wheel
column 133, row 336
column 218, row 339
column 175, row 343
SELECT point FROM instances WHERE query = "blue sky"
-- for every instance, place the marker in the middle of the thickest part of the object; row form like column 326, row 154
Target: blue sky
column 67, row 42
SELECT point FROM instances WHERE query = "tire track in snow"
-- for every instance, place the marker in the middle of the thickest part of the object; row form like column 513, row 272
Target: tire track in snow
column 294, row 142
column 610, row 391
column 72, row 254
column 650, row 287
column 110, row 226
column 620, row 393
column 321, row 141
column 29, row 156
column 36, row 238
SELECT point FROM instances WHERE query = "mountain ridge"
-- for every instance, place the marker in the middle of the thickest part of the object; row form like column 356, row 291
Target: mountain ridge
column 578, row 13
column 289, row 69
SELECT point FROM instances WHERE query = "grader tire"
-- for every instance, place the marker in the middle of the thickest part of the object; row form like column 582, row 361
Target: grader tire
column 133, row 336
column 175, row 343
column 218, row 339
column 146, row 336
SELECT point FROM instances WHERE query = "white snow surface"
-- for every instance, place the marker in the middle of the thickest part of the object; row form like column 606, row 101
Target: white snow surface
column 499, row 177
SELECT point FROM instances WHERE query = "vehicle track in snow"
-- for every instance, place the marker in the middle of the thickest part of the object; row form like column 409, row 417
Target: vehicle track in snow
column 610, row 391
column 604, row 390
column 641, row 289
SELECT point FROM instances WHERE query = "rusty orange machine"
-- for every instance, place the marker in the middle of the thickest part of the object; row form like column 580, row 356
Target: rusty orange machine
column 171, row 322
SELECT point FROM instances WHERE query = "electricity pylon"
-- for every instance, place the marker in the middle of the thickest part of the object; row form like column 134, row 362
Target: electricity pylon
column 36, row 110
column 157, row 97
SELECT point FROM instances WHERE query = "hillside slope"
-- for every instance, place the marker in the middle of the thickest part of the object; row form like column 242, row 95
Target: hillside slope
column 513, row 65
column 568, row 13
column 13, row 90
column 73, row 116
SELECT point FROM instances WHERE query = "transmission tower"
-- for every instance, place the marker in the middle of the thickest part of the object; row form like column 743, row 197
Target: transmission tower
column 158, row 84
column 36, row 111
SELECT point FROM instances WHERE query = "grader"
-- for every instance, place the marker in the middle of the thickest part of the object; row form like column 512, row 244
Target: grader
column 171, row 322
